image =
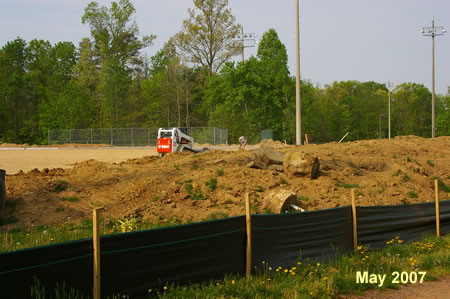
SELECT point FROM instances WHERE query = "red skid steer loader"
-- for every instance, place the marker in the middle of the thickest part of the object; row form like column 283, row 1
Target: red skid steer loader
column 174, row 140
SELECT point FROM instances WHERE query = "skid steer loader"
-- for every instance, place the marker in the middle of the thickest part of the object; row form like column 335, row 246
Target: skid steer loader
column 174, row 140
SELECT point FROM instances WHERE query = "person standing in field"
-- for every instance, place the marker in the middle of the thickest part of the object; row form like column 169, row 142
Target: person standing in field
column 242, row 142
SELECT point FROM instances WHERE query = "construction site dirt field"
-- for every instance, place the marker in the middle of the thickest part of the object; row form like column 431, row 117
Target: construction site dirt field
column 55, row 186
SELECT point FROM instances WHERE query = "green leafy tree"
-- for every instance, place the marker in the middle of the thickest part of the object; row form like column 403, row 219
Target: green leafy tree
column 13, row 89
column 206, row 36
column 118, row 47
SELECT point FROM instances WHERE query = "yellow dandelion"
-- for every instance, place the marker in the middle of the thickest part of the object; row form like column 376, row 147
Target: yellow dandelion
column 293, row 273
column 150, row 290
column 315, row 270
column 325, row 278
column 318, row 264
column 290, row 271
column 164, row 288
column 397, row 237
column 286, row 270
column 400, row 241
column 233, row 282
column 269, row 279
column 360, row 247
column 367, row 257
column 278, row 270
column 299, row 263
column 217, row 284
column 294, row 268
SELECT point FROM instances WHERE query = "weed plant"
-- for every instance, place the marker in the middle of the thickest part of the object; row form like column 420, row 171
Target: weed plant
column 61, row 186
column 212, row 184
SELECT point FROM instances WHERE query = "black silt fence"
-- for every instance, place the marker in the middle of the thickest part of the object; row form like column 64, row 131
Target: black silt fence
column 132, row 263
column 280, row 240
column 68, row 263
column 376, row 225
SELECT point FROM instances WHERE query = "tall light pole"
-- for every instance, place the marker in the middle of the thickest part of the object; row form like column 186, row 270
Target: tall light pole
column 433, row 31
column 389, row 107
column 246, row 40
column 298, row 111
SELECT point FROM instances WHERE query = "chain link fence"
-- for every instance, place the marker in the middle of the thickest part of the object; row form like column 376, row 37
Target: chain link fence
column 133, row 136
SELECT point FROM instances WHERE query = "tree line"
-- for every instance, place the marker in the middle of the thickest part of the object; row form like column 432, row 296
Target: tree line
column 105, row 81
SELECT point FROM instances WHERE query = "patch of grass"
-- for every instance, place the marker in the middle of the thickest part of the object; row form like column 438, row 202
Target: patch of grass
column 397, row 173
column 60, row 186
column 255, row 209
column 417, row 162
column 194, row 194
column 96, row 204
column 413, row 194
column 259, row 189
column 155, row 198
column 70, row 198
column 406, row 178
column 394, row 156
column 381, row 190
column 176, row 167
column 408, row 159
column 195, row 166
column 351, row 164
column 188, row 188
column 219, row 172
column 430, row 162
column 212, row 184
column 303, row 198
column 267, row 211
column 217, row 215
column 283, row 181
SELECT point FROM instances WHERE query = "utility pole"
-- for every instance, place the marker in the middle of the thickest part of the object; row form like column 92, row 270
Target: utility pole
column 389, row 108
column 433, row 31
column 298, row 111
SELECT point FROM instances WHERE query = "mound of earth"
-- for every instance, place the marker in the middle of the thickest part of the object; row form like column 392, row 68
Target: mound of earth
column 209, row 185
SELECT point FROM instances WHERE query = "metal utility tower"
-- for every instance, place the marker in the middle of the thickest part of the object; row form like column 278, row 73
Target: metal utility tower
column 433, row 31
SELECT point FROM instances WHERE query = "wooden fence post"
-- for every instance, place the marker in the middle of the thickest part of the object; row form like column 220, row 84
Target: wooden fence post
column 248, row 266
column 306, row 139
column 96, row 241
column 355, row 231
column 436, row 197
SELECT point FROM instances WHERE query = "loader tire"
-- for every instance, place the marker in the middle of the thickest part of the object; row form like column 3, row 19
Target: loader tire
column 2, row 190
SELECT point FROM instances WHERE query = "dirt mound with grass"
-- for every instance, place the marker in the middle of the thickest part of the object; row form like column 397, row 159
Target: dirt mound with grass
column 193, row 187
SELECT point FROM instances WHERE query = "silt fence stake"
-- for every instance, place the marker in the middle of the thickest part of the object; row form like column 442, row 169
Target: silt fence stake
column 248, row 266
column 96, row 241
column 355, row 231
column 436, row 197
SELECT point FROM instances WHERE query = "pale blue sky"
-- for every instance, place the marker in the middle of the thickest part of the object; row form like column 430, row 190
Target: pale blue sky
column 364, row 40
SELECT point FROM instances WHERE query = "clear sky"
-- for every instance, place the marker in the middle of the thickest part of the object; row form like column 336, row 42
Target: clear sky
column 364, row 40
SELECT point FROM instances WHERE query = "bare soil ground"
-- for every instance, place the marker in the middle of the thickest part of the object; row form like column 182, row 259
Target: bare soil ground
column 384, row 172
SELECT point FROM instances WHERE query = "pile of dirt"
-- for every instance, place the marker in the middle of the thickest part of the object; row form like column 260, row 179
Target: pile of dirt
column 209, row 185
